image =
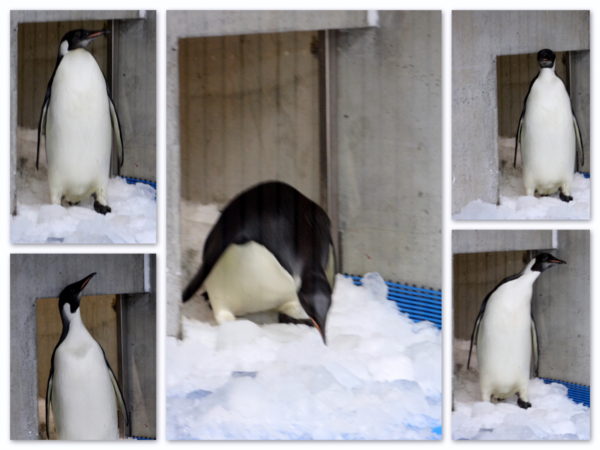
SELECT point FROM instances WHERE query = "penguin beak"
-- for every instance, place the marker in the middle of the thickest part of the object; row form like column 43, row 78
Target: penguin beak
column 321, row 330
column 557, row 261
column 96, row 34
column 83, row 283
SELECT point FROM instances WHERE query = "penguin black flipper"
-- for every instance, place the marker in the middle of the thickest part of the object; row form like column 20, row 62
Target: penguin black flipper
column 116, row 125
column 580, row 160
column 520, row 126
column 535, row 350
column 475, row 331
column 119, row 395
column 49, row 400
column 42, row 123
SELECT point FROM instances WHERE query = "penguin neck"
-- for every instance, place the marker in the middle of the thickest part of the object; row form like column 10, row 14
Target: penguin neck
column 72, row 324
column 528, row 274
column 547, row 72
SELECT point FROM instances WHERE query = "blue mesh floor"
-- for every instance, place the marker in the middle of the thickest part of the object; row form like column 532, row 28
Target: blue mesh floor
column 419, row 303
column 576, row 392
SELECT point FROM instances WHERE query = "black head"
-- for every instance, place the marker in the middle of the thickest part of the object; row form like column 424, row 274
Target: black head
column 72, row 294
column 79, row 39
column 546, row 58
column 544, row 261
column 315, row 298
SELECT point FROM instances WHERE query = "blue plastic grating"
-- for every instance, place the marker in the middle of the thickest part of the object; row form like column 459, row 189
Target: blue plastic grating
column 131, row 180
column 419, row 303
column 579, row 393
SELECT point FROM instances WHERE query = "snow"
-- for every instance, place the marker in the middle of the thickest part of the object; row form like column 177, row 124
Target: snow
column 552, row 416
column 132, row 220
column 379, row 377
column 515, row 205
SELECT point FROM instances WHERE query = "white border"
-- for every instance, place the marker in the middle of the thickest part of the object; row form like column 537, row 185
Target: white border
column 160, row 248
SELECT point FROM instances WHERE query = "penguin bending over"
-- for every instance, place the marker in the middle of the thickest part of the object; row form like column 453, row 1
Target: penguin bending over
column 82, row 389
column 77, row 119
column 548, row 134
column 506, row 335
column 271, row 249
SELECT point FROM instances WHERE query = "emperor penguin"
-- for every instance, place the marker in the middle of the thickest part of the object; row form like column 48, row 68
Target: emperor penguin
column 78, row 117
column 506, row 335
column 548, row 134
column 271, row 249
column 82, row 391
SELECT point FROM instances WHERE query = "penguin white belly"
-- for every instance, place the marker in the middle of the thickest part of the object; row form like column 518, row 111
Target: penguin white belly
column 247, row 279
column 78, row 129
column 504, row 342
column 83, row 398
column 548, row 138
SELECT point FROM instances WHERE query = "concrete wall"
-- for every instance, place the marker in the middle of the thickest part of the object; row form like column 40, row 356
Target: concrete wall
column 562, row 308
column 388, row 133
column 479, row 241
column 477, row 38
column 561, row 299
column 132, row 60
column 40, row 276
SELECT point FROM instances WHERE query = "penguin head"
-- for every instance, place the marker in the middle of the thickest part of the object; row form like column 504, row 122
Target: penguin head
column 71, row 295
column 546, row 58
column 315, row 298
column 79, row 39
column 544, row 261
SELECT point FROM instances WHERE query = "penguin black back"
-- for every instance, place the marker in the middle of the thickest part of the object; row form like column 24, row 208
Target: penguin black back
column 292, row 227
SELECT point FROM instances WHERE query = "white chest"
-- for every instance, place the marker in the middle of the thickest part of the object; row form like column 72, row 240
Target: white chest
column 83, row 399
column 248, row 278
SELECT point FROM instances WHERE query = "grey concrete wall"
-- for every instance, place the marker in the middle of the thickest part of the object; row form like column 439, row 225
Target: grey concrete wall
column 184, row 24
column 477, row 38
column 580, row 98
column 134, row 92
column 388, row 144
column 478, row 241
column 562, row 309
column 38, row 276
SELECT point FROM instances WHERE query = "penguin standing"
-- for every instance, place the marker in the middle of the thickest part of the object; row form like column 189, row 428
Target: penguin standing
column 77, row 117
column 506, row 336
column 82, row 389
column 271, row 249
column 548, row 133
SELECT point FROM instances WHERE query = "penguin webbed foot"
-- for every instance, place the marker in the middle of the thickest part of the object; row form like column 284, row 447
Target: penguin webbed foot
column 523, row 404
column 565, row 198
column 284, row 318
column 100, row 208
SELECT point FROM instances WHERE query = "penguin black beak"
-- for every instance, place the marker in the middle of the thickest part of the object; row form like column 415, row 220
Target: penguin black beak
column 83, row 283
column 321, row 330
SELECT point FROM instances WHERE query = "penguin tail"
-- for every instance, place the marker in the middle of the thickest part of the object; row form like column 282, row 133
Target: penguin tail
column 194, row 285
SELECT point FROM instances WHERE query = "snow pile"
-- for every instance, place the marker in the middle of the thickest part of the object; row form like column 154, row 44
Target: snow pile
column 552, row 416
column 515, row 205
column 132, row 220
column 379, row 377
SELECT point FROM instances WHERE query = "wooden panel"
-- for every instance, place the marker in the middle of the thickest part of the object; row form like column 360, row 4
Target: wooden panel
column 474, row 275
column 249, row 112
column 38, row 48
column 100, row 318
column 515, row 73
